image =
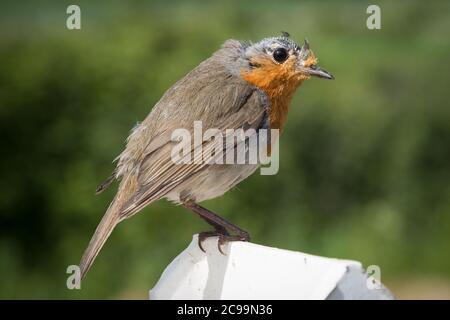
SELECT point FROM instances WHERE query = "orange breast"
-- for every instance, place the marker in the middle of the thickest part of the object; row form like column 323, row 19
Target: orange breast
column 279, row 82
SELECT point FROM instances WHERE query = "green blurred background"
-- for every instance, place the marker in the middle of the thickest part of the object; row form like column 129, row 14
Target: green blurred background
column 365, row 159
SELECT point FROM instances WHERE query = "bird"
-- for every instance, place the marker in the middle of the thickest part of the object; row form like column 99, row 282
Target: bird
column 243, row 84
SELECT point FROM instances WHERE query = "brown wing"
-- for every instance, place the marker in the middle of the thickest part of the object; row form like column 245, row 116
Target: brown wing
column 158, row 174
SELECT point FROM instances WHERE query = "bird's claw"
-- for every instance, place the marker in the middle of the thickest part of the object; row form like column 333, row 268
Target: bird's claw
column 224, row 238
column 202, row 236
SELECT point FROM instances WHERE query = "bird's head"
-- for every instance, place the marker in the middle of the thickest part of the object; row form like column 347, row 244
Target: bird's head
column 278, row 63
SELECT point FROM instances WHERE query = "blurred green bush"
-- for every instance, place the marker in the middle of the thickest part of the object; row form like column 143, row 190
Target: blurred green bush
column 365, row 159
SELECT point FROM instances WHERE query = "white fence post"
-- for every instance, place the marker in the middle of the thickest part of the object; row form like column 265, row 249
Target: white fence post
column 251, row 271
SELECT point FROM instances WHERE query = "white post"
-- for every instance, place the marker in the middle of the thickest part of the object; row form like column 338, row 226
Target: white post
column 251, row 271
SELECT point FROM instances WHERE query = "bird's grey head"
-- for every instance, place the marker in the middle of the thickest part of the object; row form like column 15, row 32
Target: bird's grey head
column 270, row 54
column 277, row 47
column 281, row 50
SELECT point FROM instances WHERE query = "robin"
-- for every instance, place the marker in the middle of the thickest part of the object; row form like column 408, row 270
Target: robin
column 242, row 85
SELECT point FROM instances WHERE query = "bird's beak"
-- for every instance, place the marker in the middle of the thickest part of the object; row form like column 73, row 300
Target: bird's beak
column 315, row 71
column 309, row 65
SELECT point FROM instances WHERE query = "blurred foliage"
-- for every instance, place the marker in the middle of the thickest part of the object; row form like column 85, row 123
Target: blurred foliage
column 365, row 159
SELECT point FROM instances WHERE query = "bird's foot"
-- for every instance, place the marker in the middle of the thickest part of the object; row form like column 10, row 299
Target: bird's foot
column 224, row 238
column 202, row 236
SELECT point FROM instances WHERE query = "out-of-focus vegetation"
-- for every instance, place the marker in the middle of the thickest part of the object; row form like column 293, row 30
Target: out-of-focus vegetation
column 365, row 159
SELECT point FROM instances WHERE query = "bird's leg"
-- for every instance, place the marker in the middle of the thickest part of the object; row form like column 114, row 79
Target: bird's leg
column 217, row 227
column 220, row 225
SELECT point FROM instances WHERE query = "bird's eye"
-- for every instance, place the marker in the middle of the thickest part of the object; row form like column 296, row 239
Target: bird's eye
column 280, row 55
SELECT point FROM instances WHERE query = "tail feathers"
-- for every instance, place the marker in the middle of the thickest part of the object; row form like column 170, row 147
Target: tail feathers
column 101, row 234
